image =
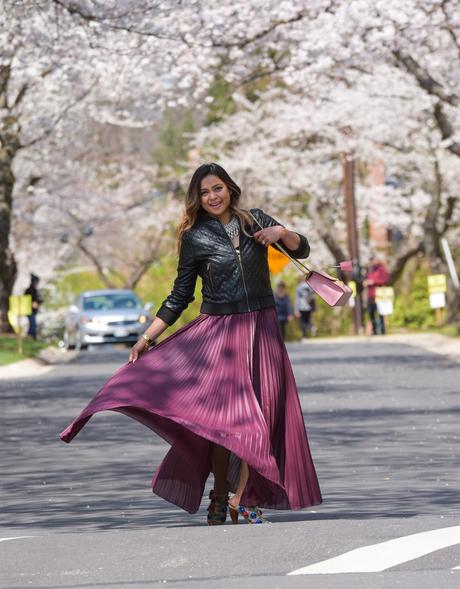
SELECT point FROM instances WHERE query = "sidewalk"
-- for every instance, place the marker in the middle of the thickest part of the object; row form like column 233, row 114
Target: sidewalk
column 31, row 367
column 432, row 342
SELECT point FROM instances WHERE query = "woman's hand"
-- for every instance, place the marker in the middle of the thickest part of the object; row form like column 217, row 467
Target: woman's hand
column 137, row 350
column 270, row 234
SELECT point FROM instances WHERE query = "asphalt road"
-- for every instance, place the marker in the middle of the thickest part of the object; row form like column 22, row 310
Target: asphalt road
column 383, row 425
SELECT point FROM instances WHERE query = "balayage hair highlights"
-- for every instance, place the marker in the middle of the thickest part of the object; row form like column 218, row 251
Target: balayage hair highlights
column 193, row 206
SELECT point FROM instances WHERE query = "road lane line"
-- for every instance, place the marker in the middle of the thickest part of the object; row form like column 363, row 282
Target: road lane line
column 384, row 555
column 15, row 538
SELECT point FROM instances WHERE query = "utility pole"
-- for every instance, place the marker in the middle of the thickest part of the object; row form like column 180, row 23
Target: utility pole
column 352, row 237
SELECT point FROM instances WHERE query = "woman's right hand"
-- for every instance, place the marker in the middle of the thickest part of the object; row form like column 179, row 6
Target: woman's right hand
column 137, row 350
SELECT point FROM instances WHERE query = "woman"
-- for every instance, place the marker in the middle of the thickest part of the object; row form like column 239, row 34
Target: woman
column 220, row 390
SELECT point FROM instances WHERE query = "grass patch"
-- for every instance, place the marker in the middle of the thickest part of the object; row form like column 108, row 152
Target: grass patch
column 9, row 349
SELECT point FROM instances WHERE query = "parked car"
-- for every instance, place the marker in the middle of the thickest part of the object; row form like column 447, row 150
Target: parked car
column 106, row 316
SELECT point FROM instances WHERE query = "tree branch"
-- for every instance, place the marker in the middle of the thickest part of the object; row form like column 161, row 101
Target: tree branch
column 5, row 73
column 100, row 270
column 448, row 213
column 446, row 128
column 59, row 118
column 448, row 27
column 424, row 79
column 399, row 263
column 75, row 9
column 139, row 272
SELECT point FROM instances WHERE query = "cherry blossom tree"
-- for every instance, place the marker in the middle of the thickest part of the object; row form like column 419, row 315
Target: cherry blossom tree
column 55, row 76
column 307, row 81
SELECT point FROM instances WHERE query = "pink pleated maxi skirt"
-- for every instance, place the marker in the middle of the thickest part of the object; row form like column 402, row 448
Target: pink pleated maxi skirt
column 223, row 379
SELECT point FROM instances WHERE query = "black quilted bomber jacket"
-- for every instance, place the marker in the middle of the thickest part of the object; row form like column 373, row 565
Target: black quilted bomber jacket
column 228, row 284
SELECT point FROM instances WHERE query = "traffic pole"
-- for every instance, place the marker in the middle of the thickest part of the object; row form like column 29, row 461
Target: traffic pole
column 352, row 237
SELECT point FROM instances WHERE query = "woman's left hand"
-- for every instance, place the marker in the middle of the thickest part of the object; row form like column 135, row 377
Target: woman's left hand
column 269, row 235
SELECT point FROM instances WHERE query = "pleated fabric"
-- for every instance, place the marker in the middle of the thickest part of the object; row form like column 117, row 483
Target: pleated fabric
column 223, row 379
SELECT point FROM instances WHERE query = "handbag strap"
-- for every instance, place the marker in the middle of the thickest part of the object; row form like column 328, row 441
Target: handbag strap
column 296, row 263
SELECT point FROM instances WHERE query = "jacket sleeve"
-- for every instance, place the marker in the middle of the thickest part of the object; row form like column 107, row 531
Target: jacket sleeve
column 266, row 221
column 184, row 285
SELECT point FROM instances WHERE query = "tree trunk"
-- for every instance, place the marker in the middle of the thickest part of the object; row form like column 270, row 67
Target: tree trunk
column 9, row 146
column 8, row 269
column 453, row 308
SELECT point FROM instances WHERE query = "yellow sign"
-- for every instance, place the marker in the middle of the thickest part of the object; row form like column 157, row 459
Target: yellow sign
column 384, row 293
column 20, row 305
column 352, row 285
column 276, row 260
column 437, row 283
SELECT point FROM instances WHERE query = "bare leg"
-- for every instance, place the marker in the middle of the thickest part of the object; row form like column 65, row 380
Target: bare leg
column 244, row 475
column 220, row 458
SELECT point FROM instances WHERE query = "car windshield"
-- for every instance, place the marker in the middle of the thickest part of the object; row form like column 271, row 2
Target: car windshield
column 108, row 302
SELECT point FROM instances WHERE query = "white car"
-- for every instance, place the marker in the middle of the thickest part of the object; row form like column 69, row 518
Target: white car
column 106, row 316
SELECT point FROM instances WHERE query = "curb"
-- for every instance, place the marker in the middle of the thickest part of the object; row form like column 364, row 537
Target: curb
column 46, row 360
column 432, row 342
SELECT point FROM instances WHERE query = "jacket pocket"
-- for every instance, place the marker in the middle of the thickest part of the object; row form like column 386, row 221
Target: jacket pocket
column 209, row 275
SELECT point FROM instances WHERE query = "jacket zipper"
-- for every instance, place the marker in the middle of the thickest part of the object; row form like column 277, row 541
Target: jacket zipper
column 241, row 267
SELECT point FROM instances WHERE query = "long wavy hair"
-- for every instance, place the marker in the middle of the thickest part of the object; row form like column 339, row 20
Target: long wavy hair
column 193, row 208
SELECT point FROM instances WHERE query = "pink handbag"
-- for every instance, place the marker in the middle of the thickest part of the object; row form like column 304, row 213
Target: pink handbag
column 332, row 290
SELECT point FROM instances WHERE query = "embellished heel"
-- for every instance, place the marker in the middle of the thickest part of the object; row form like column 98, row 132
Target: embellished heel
column 217, row 510
column 252, row 515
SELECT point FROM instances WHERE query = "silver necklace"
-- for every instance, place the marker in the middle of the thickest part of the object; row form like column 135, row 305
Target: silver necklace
column 232, row 227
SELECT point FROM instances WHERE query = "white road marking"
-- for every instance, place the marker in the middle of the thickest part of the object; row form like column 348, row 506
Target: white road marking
column 456, row 568
column 378, row 557
column 15, row 538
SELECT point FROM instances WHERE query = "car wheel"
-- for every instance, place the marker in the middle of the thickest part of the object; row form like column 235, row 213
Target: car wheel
column 67, row 344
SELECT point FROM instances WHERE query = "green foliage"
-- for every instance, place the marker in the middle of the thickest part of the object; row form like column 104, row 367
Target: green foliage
column 412, row 307
column 223, row 104
column 172, row 140
column 451, row 330
column 67, row 285
column 9, row 347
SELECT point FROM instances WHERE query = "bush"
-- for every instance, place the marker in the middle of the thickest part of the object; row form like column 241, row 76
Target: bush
column 412, row 306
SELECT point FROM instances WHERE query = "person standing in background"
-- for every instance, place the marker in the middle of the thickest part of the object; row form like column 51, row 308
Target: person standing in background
column 32, row 290
column 283, row 306
column 377, row 275
column 304, row 307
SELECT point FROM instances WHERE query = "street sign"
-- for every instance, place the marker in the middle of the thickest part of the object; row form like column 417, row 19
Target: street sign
column 276, row 260
column 352, row 299
column 19, row 306
column 385, row 307
column 437, row 283
column 384, row 293
column 437, row 300
column 384, row 296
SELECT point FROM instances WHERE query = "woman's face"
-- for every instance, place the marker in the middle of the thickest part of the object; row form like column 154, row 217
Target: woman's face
column 215, row 196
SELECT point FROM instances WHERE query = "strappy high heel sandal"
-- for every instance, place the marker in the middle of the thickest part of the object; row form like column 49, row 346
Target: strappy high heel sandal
column 217, row 510
column 252, row 515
